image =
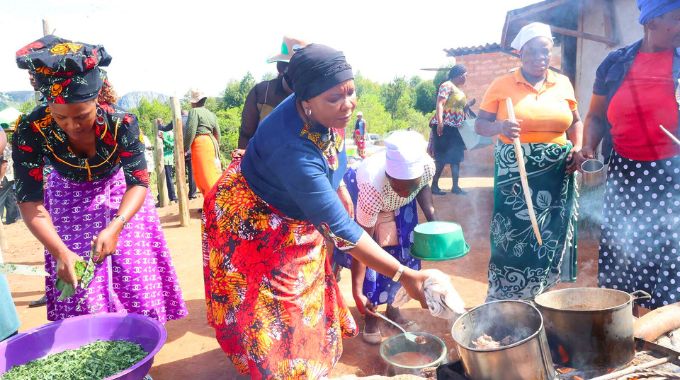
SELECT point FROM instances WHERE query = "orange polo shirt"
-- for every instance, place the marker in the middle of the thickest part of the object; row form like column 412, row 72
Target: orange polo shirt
column 545, row 114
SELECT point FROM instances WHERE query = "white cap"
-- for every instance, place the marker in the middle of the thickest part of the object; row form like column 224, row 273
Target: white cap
column 405, row 155
column 360, row 113
column 529, row 32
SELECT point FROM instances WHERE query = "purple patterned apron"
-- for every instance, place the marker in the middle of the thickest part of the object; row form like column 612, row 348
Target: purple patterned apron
column 139, row 278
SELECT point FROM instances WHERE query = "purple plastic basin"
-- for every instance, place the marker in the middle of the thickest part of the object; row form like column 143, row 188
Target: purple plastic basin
column 75, row 332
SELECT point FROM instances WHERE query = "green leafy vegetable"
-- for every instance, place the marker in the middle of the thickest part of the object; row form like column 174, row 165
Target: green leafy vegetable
column 84, row 274
column 97, row 360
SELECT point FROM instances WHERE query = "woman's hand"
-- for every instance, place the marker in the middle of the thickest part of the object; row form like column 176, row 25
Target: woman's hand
column 509, row 129
column 346, row 200
column 413, row 282
column 363, row 304
column 440, row 129
column 572, row 165
column 583, row 154
column 66, row 267
column 105, row 243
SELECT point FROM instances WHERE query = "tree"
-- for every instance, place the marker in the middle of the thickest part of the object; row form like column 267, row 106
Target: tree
column 441, row 75
column 378, row 120
column 27, row 106
column 236, row 92
column 147, row 112
column 396, row 96
column 365, row 86
column 426, row 97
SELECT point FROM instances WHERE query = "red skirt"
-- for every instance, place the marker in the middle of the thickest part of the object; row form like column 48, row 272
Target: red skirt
column 270, row 292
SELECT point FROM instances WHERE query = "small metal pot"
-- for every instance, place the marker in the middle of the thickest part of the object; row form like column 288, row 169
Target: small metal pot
column 528, row 357
column 593, row 173
column 590, row 328
column 431, row 347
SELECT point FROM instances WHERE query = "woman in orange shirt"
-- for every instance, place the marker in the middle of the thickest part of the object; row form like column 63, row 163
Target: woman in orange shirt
column 550, row 129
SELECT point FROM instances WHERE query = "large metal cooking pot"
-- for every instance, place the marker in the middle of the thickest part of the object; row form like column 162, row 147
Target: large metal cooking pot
column 527, row 357
column 590, row 328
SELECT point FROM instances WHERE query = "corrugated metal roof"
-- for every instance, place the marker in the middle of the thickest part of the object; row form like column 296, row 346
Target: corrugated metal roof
column 468, row 50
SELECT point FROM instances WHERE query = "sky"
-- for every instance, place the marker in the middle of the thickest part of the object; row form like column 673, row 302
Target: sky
column 171, row 46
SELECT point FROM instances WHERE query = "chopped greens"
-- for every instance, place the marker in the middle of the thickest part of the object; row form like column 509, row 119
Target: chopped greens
column 97, row 360
column 84, row 273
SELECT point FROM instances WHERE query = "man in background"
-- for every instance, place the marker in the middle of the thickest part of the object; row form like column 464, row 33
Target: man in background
column 266, row 95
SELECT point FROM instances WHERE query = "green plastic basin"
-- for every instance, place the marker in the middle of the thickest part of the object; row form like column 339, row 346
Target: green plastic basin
column 437, row 241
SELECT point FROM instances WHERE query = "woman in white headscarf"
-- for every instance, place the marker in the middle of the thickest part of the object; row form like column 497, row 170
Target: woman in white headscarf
column 550, row 130
column 385, row 188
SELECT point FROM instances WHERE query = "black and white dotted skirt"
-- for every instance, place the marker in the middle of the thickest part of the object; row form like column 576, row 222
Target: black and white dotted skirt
column 640, row 246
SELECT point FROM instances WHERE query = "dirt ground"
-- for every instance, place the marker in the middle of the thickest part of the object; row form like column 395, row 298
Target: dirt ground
column 191, row 350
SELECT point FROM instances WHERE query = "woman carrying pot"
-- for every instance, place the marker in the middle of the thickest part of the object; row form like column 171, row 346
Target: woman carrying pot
column 270, row 291
column 636, row 91
column 385, row 188
column 550, row 130
column 96, row 199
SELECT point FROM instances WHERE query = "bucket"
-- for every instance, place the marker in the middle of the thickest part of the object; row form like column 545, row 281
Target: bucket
column 593, row 173
column 73, row 333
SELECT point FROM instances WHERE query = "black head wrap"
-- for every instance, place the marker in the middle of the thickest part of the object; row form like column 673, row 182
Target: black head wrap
column 317, row 68
column 64, row 71
column 457, row 71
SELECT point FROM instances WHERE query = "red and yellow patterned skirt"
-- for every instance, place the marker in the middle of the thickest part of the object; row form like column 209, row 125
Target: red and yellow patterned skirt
column 270, row 292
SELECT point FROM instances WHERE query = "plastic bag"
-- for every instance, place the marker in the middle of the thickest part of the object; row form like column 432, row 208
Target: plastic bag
column 442, row 299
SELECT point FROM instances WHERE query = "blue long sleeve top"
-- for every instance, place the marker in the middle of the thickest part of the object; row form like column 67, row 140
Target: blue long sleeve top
column 285, row 165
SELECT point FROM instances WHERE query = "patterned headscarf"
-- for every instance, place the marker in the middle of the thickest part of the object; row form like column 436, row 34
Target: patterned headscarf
column 64, row 71
column 650, row 9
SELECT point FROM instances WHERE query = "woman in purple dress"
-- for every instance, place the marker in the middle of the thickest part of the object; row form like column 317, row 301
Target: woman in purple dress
column 96, row 199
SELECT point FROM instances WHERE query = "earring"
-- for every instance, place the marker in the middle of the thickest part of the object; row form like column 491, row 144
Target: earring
column 308, row 112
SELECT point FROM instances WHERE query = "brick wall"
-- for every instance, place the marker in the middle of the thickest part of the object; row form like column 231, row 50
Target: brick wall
column 482, row 70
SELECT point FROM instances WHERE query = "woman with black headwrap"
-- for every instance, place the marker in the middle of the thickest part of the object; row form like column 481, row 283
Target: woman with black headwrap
column 448, row 145
column 96, row 200
column 271, row 295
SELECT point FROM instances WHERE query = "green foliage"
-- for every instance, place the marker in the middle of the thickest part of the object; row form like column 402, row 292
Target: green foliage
column 97, row 360
column 148, row 111
column 378, row 120
column 441, row 75
column 396, row 96
column 235, row 93
column 426, row 97
column 230, row 123
column 27, row 106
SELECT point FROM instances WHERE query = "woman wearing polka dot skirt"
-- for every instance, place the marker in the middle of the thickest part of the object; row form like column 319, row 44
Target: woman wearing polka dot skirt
column 635, row 91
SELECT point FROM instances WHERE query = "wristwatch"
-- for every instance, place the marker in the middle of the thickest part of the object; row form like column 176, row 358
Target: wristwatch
column 397, row 275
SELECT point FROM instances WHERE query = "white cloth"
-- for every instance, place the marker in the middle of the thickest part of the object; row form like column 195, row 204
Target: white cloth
column 529, row 32
column 404, row 154
column 7, row 156
column 375, row 192
column 442, row 299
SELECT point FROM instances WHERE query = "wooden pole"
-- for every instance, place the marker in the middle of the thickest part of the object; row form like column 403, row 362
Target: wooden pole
column 159, row 167
column 46, row 27
column 180, row 173
column 519, row 154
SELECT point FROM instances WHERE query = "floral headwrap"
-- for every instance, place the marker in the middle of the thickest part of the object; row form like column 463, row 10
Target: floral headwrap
column 64, row 71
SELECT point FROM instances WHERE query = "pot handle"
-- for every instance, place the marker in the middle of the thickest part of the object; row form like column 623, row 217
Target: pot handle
column 640, row 295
